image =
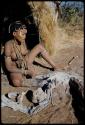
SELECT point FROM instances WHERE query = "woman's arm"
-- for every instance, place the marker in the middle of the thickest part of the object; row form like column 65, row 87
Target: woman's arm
column 8, row 61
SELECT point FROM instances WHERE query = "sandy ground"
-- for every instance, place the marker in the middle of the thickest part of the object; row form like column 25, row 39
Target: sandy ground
column 71, row 47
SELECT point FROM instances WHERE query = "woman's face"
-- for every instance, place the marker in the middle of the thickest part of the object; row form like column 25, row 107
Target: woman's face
column 20, row 34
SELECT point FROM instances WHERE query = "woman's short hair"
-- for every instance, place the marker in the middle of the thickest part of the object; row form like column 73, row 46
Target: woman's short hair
column 15, row 26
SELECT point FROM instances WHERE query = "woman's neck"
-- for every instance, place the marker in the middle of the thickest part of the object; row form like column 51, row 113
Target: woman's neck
column 18, row 42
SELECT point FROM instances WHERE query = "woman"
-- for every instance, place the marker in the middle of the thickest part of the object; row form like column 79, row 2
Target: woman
column 18, row 60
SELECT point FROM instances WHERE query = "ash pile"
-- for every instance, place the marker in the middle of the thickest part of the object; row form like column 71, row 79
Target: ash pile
column 58, row 89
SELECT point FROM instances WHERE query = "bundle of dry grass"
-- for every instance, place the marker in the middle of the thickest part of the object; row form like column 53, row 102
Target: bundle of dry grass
column 46, row 23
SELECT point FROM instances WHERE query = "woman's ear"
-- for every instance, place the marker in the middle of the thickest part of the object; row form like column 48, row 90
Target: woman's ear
column 14, row 33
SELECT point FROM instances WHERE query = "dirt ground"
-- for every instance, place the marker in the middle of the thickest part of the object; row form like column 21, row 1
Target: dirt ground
column 71, row 47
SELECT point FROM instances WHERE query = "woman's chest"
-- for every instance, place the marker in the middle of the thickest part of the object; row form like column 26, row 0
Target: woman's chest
column 18, row 50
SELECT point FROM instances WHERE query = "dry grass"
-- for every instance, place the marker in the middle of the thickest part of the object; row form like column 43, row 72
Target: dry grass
column 47, row 26
column 51, row 33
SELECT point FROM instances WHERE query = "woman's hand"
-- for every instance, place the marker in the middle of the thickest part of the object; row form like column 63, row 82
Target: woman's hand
column 24, row 72
column 30, row 72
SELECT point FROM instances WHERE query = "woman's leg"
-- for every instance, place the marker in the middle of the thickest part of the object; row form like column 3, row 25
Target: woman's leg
column 40, row 49
column 19, row 81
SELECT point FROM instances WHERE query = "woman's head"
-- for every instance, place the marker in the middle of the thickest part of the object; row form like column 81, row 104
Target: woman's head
column 18, row 30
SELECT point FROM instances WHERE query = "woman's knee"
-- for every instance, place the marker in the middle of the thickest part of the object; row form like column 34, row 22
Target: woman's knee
column 41, row 48
column 16, row 79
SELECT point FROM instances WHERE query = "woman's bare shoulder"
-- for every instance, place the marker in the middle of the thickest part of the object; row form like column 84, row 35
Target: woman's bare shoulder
column 9, row 43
